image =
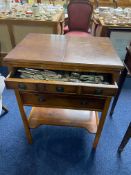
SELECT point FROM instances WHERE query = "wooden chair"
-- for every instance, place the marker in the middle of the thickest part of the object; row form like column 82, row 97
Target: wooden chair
column 125, row 139
column 123, row 75
column 4, row 108
column 68, row 1
column 79, row 17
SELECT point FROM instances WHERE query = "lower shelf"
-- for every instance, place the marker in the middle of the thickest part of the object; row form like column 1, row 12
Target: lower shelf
column 67, row 117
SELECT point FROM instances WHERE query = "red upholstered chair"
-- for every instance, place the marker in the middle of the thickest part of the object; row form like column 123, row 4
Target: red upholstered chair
column 79, row 16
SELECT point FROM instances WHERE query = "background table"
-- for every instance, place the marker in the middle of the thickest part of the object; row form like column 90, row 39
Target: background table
column 104, row 30
column 12, row 31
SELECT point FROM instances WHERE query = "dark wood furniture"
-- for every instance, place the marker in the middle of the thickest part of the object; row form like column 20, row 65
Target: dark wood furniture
column 121, row 3
column 58, row 102
column 78, row 23
column 4, row 108
column 125, row 139
column 105, row 3
column 98, row 3
column 123, row 75
column 104, row 30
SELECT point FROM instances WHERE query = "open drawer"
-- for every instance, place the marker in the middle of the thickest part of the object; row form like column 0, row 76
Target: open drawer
column 61, row 85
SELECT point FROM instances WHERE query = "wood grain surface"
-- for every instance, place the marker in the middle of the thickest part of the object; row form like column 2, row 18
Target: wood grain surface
column 62, row 51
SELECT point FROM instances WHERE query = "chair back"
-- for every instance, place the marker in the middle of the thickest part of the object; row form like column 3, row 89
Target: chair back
column 79, row 15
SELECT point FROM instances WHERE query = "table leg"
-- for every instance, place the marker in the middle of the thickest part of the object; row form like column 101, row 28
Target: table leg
column 104, row 31
column 4, row 108
column 23, row 116
column 101, row 122
column 120, row 85
column 125, row 140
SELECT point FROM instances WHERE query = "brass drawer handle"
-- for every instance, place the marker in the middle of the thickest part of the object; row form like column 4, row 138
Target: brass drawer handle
column 22, row 86
column 98, row 91
column 41, row 87
column 84, row 102
column 41, row 99
column 59, row 89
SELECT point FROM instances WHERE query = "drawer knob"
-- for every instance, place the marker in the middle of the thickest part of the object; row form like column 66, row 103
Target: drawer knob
column 22, row 86
column 99, row 91
column 41, row 99
column 41, row 87
column 59, row 89
column 83, row 102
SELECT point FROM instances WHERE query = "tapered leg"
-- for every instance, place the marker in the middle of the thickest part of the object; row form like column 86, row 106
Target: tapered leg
column 4, row 108
column 126, row 138
column 101, row 122
column 120, row 85
column 23, row 116
column 5, row 111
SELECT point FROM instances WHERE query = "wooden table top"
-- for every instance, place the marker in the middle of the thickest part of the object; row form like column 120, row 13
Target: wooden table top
column 42, row 50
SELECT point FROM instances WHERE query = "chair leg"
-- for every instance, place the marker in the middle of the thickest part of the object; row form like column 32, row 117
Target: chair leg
column 125, row 139
column 120, row 85
column 5, row 111
column 4, row 108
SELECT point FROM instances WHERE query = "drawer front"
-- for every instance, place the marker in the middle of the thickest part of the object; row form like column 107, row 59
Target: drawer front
column 56, row 88
column 63, row 101
column 39, row 86
column 102, row 91
column 61, row 87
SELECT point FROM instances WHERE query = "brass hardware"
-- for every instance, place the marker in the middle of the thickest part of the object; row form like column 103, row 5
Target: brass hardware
column 59, row 89
column 98, row 91
column 41, row 98
column 41, row 87
column 84, row 102
column 22, row 86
